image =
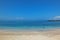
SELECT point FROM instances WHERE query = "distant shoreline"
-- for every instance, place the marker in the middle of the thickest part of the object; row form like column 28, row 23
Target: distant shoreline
column 53, row 20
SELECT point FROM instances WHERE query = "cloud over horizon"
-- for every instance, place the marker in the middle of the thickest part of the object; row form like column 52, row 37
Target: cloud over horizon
column 56, row 18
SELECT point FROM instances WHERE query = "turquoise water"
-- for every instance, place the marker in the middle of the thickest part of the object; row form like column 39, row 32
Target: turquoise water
column 29, row 25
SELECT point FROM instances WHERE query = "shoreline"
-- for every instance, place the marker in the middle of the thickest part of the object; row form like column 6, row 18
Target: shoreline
column 53, row 34
column 51, row 31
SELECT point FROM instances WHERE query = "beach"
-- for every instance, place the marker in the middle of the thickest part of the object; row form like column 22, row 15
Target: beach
column 53, row 34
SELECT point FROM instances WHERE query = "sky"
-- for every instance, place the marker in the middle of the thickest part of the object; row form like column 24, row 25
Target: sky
column 29, row 9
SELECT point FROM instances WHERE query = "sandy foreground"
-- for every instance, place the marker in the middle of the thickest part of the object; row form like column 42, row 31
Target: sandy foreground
column 34, row 35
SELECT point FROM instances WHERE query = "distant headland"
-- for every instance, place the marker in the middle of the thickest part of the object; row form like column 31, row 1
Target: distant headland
column 54, row 20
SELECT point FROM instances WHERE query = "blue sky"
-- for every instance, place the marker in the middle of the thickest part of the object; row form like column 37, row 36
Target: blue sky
column 29, row 9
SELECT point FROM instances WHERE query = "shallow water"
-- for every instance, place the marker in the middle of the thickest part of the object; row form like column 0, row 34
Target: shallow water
column 29, row 25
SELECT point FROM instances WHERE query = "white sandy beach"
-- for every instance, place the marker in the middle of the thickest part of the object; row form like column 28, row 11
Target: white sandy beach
column 45, row 35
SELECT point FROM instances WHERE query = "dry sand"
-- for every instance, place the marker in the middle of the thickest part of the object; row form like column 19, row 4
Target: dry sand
column 41, row 35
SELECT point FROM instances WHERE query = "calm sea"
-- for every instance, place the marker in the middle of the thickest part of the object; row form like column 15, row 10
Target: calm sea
column 29, row 25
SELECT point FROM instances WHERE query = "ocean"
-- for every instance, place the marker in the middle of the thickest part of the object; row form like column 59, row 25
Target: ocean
column 28, row 24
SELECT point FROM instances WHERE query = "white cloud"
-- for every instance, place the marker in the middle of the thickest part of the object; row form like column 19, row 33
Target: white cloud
column 19, row 18
column 56, row 18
